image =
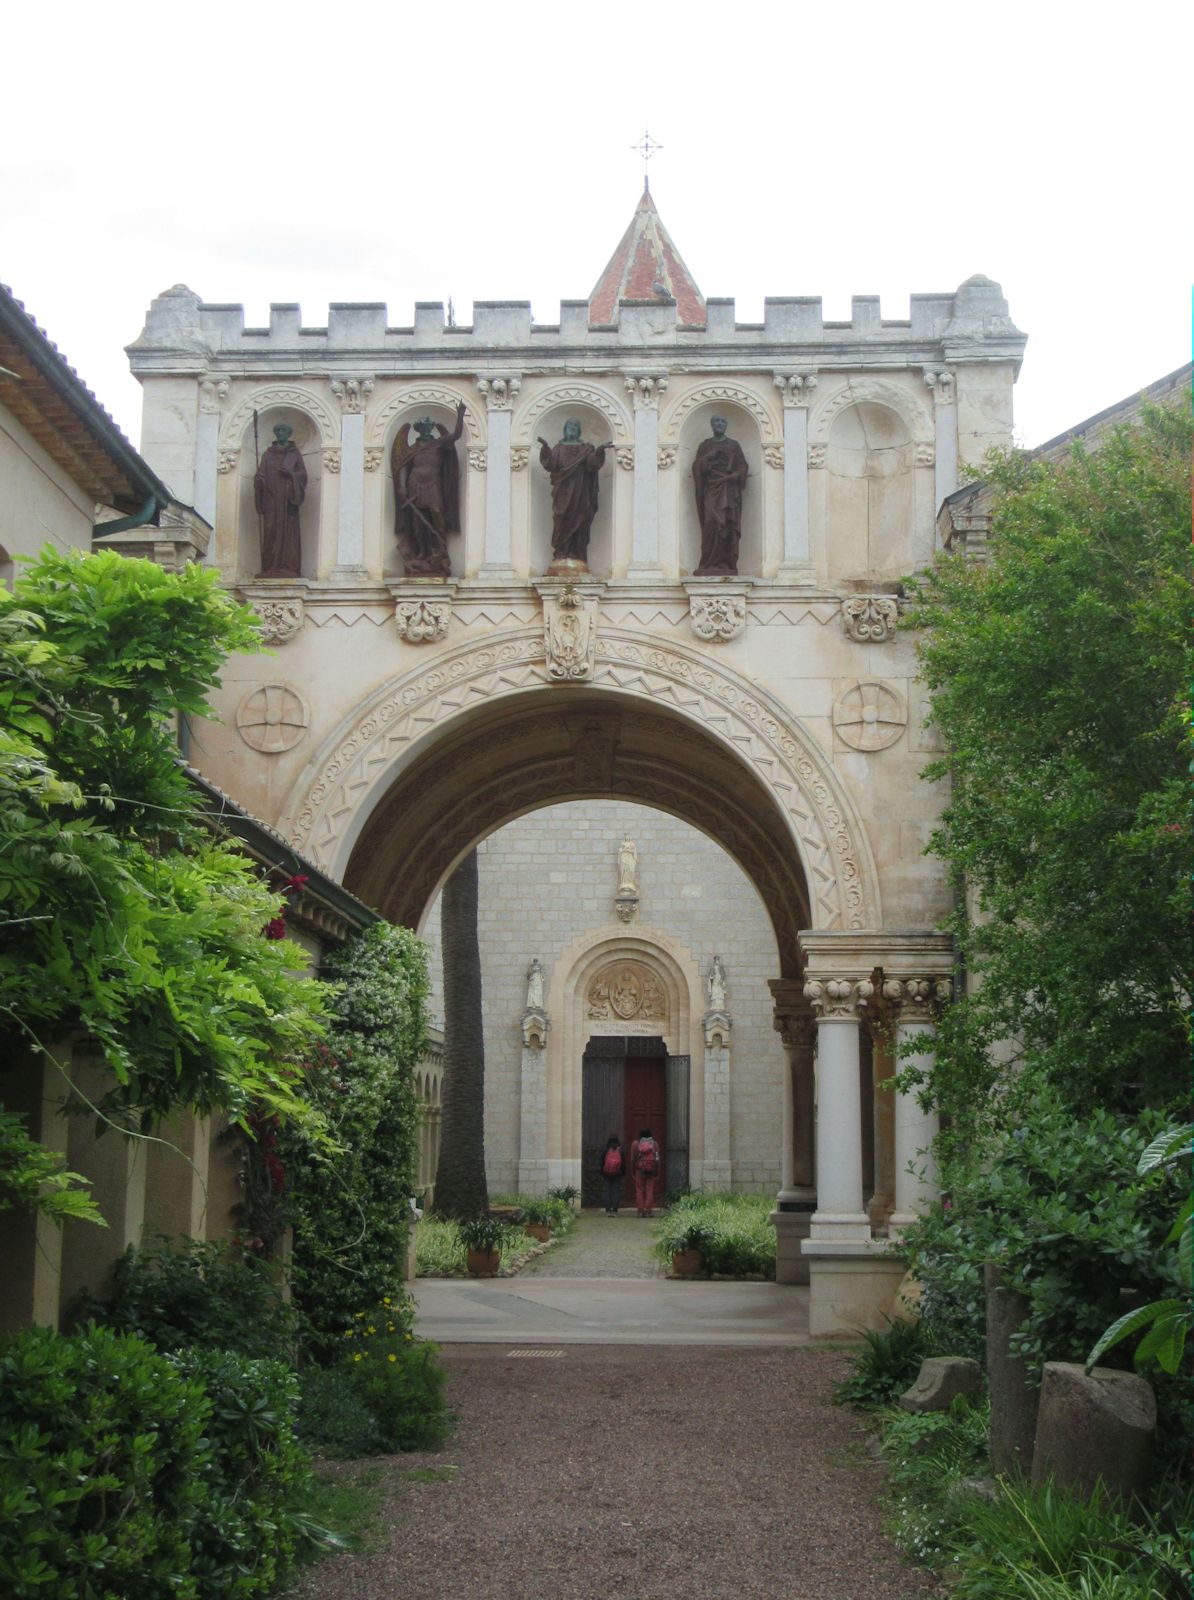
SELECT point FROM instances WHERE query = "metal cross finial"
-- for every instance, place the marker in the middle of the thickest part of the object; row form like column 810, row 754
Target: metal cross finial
column 646, row 147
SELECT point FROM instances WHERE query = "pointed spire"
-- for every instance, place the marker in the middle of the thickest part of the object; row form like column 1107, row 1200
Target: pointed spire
column 646, row 268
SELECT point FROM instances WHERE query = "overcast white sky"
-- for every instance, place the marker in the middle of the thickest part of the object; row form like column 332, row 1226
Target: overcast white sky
column 359, row 152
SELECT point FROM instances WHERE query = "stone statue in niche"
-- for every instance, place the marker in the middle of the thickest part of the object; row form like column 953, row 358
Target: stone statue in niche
column 573, row 466
column 719, row 473
column 535, row 986
column 279, row 488
column 627, row 867
column 715, row 985
column 426, row 494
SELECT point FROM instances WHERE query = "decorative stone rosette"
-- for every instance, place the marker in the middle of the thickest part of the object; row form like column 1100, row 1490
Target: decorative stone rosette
column 870, row 618
column 280, row 619
column 716, row 617
column 422, row 621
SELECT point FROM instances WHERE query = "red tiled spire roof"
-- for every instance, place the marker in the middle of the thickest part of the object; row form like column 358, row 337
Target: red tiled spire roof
column 646, row 266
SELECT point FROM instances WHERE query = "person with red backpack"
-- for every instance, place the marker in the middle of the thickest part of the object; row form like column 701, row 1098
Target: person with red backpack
column 613, row 1166
column 644, row 1162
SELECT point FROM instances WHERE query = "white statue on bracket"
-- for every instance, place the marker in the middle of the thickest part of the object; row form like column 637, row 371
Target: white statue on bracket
column 535, row 985
column 715, row 985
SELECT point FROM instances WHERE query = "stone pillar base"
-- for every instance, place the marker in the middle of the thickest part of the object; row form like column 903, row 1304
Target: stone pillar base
column 802, row 573
column 791, row 1230
column 851, row 1292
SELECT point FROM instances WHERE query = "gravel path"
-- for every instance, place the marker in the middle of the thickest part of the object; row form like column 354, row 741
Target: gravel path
column 643, row 1471
column 600, row 1247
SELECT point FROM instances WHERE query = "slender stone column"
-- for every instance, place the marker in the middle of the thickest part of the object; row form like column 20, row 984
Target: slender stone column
column 353, row 395
column 913, row 1000
column 644, row 555
column 945, row 419
column 797, row 391
column 797, row 1199
column 717, row 1172
column 499, row 394
column 532, row 1134
column 839, row 1218
column 212, row 393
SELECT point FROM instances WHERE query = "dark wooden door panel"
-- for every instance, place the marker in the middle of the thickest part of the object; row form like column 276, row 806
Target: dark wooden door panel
column 600, row 1115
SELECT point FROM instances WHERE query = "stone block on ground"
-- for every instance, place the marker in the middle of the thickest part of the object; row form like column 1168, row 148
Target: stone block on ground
column 1091, row 1426
column 940, row 1381
column 1013, row 1397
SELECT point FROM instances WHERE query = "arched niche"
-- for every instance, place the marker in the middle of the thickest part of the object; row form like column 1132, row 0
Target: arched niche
column 308, row 439
column 870, row 462
column 594, row 429
column 744, row 429
column 413, row 410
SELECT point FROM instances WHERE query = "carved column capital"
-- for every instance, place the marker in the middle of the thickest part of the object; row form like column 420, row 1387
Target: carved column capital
column 373, row 457
column 499, row 390
column 212, row 393
column 838, row 999
column 519, row 458
column 478, row 459
column 796, row 388
column 665, row 458
column 645, row 390
column 352, row 393
column 915, row 1000
column 870, row 618
column 940, row 381
column 227, row 460
column 625, row 458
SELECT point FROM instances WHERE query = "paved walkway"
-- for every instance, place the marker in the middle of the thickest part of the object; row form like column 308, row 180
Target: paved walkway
column 601, row 1285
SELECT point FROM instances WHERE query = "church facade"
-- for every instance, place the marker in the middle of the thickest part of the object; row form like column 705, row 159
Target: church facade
column 648, row 554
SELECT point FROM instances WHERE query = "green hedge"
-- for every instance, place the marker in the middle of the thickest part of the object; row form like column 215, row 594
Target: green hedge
column 733, row 1232
column 130, row 1475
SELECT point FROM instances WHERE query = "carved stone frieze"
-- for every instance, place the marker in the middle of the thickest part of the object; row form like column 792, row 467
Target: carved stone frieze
column 645, row 391
column 796, row 388
column 212, row 394
column 373, row 457
column 569, row 633
column 331, row 460
column 422, row 621
column 281, row 617
column 870, row 618
column 623, row 991
column 499, row 392
column 870, row 716
column 272, row 718
column 666, row 458
column 838, row 997
column 352, row 393
column 227, row 460
column 625, row 458
column 717, row 617
column 518, row 459
column 478, row 460
column 773, row 455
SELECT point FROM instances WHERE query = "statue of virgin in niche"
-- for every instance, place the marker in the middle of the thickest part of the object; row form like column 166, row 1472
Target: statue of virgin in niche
column 627, row 867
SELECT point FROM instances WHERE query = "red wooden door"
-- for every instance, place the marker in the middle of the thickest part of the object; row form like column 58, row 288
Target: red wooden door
column 645, row 1103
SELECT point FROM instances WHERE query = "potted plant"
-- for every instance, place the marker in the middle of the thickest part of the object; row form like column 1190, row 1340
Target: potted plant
column 688, row 1249
column 537, row 1215
column 482, row 1238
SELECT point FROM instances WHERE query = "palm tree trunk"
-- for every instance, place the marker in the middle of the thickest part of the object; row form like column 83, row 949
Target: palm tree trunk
column 460, row 1188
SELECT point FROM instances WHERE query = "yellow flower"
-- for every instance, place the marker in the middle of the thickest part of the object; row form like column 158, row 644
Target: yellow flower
column 386, row 1300
column 360, row 1316
column 408, row 1336
column 357, row 1357
column 371, row 1328
column 390, row 1327
column 391, row 1358
column 349, row 1334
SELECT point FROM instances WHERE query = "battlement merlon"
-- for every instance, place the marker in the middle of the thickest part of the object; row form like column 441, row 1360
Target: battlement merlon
column 182, row 334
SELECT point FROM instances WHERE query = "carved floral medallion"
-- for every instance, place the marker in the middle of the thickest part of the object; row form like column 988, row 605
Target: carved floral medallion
column 272, row 718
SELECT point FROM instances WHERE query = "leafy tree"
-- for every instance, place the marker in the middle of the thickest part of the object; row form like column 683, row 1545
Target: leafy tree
column 350, row 1206
column 121, row 917
column 1059, row 677
column 460, row 1187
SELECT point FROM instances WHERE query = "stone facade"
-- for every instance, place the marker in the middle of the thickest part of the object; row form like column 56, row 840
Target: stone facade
column 776, row 709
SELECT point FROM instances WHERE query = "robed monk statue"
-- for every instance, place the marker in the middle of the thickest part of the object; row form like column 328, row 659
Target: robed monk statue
column 573, row 466
column 719, row 473
column 426, row 494
column 279, row 488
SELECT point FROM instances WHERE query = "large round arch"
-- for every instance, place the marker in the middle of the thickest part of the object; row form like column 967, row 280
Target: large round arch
column 441, row 758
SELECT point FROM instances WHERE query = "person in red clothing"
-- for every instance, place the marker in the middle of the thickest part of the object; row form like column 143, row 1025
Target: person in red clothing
column 644, row 1163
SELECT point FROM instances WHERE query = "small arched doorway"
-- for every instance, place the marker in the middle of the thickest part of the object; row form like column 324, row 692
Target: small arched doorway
column 630, row 1082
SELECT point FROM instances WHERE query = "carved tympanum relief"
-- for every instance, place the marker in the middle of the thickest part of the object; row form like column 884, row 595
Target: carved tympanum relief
column 623, row 991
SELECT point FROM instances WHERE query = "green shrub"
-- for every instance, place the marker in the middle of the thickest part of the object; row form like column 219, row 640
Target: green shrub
column 886, row 1365
column 549, row 1209
column 566, row 1192
column 440, row 1250
column 385, row 1394
column 124, row 1472
column 193, row 1293
column 733, row 1232
column 483, row 1233
column 927, row 1456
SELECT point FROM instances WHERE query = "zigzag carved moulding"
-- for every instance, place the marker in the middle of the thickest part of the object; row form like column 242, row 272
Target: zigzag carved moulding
column 673, row 419
column 232, row 434
column 423, row 394
column 580, row 394
column 841, row 876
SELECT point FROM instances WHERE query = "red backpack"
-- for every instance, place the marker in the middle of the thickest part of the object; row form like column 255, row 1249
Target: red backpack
column 612, row 1165
column 648, row 1158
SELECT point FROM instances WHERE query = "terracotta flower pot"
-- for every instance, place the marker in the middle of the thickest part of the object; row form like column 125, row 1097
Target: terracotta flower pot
column 538, row 1230
column 483, row 1263
column 687, row 1263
